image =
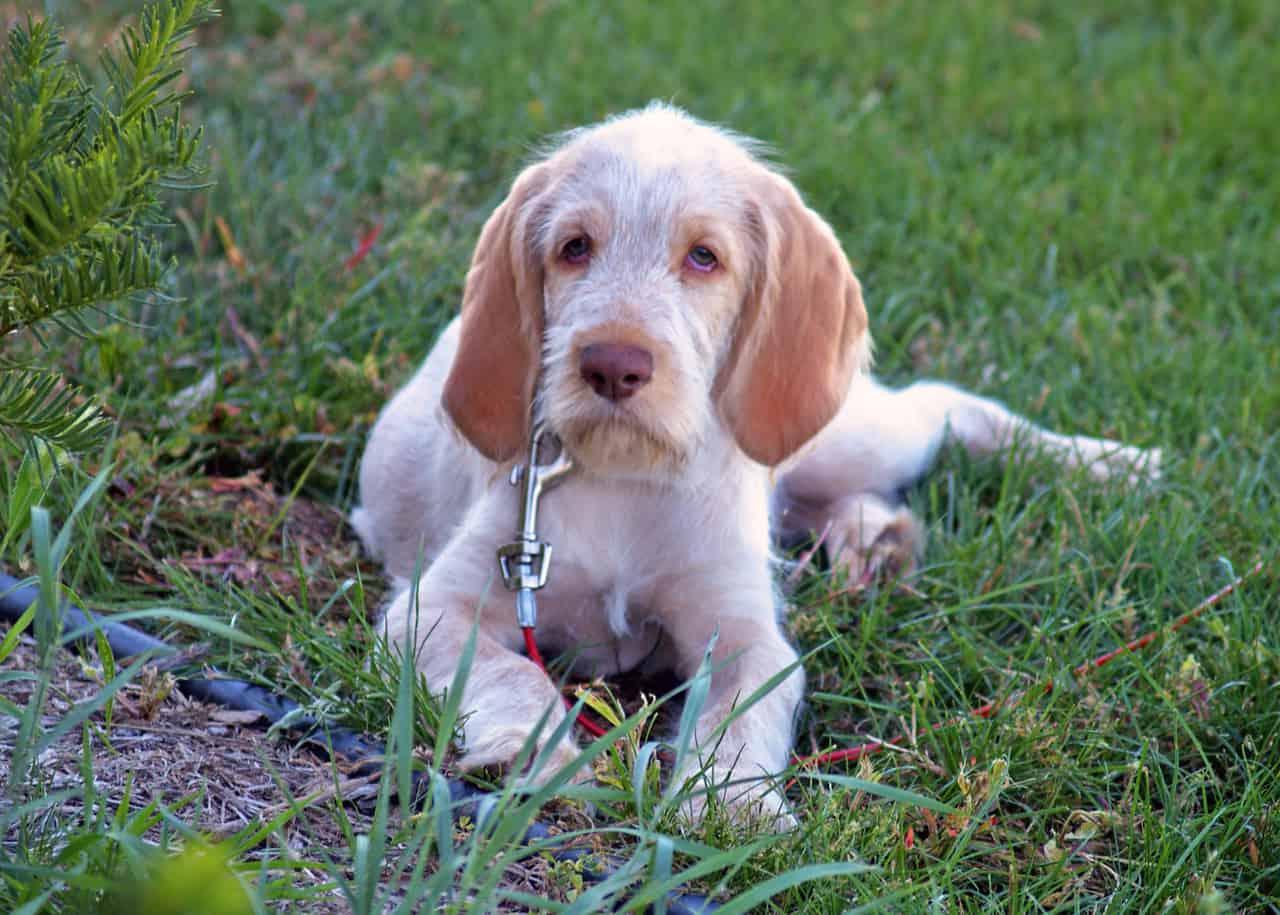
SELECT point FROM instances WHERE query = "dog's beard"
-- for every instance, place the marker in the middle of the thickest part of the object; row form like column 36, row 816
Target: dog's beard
column 655, row 434
column 621, row 446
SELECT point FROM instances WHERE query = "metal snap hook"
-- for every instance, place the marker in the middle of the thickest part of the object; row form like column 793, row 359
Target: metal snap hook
column 525, row 562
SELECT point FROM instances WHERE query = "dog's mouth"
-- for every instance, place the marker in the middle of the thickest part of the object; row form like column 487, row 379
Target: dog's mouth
column 620, row 444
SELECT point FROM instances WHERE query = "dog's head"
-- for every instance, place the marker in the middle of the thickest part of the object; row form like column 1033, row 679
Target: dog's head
column 653, row 284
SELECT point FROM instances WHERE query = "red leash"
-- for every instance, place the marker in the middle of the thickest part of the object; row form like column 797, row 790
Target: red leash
column 531, row 646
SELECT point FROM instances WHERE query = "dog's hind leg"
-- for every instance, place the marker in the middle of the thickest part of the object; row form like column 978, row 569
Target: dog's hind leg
column 852, row 475
column 884, row 440
column 985, row 427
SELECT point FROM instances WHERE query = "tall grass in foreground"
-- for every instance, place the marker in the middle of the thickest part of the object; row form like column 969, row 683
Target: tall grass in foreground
column 70, row 851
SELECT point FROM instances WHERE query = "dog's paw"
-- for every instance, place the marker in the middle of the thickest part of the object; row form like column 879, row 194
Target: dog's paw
column 867, row 553
column 1125, row 464
column 501, row 748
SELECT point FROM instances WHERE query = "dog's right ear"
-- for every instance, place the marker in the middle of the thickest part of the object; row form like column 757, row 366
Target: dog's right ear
column 490, row 384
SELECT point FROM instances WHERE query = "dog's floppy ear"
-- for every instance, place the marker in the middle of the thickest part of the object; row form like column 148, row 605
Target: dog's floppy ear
column 802, row 333
column 491, row 381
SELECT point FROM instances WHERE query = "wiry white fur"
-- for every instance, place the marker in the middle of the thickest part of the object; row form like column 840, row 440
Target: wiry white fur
column 663, row 538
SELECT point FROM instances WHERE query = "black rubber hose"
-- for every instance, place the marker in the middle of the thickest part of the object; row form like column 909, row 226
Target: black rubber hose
column 363, row 754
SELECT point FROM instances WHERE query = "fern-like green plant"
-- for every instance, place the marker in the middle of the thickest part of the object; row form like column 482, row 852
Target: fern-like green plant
column 80, row 184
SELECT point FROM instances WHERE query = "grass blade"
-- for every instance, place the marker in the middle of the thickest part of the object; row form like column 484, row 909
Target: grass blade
column 770, row 888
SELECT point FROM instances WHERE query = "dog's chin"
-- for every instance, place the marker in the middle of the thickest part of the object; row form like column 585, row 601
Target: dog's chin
column 621, row 446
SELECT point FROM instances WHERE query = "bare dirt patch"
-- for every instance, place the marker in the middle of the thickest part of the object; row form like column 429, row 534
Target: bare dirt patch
column 219, row 771
column 232, row 529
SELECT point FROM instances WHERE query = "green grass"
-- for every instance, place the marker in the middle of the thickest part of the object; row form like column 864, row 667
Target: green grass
column 1069, row 207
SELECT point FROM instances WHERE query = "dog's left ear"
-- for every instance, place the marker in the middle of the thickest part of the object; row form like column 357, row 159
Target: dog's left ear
column 491, row 381
column 802, row 333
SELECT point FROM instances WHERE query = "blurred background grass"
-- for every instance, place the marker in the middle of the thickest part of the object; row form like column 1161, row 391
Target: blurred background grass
column 1070, row 210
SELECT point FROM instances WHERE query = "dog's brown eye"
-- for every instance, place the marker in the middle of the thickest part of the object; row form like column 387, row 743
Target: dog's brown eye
column 701, row 258
column 576, row 250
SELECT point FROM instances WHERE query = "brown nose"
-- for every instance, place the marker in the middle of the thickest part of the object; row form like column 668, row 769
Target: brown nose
column 615, row 370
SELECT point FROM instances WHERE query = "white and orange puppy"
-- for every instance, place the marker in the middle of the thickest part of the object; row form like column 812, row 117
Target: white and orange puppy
column 666, row 306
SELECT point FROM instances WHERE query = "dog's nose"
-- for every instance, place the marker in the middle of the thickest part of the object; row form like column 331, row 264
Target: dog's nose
column 615, row 370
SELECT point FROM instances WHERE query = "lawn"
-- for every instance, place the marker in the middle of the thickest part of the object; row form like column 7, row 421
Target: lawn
column 1070, row 207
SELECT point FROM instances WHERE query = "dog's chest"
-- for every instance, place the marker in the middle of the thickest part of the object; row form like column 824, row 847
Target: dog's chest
column 607, row 562
column 624, row 553
column 603, row 615
column 615, row 550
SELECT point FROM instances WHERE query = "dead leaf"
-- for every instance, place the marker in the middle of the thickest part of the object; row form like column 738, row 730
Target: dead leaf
column 234, row 255
column 189, row 398
column 247, row 340
column 250, row 481
column 402, row 67
column 236, row 716
column 1028, row 31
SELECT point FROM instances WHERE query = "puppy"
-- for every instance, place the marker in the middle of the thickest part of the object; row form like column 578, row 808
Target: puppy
column 692, row 335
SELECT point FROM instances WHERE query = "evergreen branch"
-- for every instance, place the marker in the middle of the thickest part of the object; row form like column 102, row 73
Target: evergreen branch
column 97, row 271
column 37, row 405
column 59, row 200
column 46, row 103
column 69, row 195
column 151, row 55
column 80, row 184
column 45, row 108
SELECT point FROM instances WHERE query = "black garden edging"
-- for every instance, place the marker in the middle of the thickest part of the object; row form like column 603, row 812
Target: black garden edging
column 361, row 754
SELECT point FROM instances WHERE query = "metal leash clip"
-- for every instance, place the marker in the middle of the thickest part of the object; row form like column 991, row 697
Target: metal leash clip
column 524, row 563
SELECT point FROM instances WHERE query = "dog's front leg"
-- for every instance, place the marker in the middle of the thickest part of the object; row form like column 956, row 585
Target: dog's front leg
column 505, row 695
column 740, row 757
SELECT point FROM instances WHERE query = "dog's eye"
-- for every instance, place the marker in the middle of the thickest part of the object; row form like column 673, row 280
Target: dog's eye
column 701, row 258
column 576, row 250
